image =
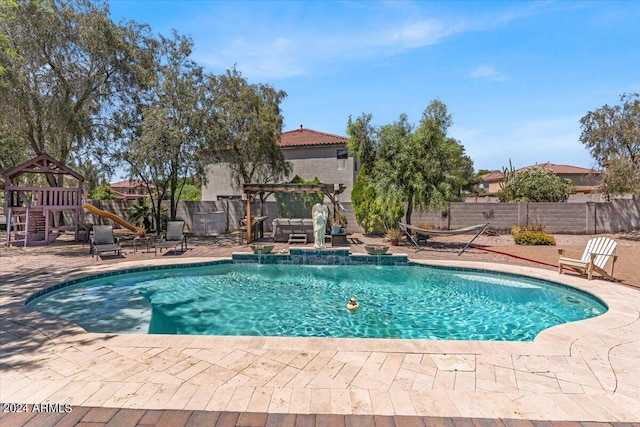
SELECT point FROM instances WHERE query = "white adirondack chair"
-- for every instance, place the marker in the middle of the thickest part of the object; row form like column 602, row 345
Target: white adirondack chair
column 595, row 257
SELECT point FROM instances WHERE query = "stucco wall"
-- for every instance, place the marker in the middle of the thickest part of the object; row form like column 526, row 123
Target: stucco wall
column 307, row 163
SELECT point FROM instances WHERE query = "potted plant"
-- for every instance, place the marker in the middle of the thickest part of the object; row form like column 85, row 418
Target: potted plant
column 394, row 234
column 336, row 228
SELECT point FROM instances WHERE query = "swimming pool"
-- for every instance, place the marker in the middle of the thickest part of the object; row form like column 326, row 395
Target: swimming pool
column 407, row 302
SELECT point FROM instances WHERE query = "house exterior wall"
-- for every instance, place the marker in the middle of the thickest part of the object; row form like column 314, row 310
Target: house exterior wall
column 322, row 162
column 308, row 163
column 218, row 183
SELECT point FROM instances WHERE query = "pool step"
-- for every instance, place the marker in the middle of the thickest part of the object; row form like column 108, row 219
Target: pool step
column 297, row 238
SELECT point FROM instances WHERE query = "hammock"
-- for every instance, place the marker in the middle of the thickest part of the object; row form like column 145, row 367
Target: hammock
column 479, row 228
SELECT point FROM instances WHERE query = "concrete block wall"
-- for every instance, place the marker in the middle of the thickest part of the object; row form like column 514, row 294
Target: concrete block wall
column 566, row 218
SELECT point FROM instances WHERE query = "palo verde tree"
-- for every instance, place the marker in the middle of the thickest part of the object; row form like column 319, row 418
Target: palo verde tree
column 66, row 68
column 612, row 133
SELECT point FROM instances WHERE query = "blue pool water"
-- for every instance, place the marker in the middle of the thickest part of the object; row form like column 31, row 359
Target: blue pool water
column 406, row 302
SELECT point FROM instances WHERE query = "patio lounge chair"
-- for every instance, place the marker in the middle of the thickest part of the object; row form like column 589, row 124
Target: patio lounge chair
column 594, row 258
column 104, row 241
column 479, row 228
column 173, row 237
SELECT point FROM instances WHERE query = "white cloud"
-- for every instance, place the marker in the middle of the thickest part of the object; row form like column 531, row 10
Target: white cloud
column 263, row 50
column 487, row 72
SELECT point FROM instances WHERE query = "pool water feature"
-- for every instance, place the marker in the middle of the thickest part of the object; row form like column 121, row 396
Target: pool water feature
column 406, row 302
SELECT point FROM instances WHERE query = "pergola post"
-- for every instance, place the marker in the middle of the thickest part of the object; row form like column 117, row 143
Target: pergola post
column 248, row 217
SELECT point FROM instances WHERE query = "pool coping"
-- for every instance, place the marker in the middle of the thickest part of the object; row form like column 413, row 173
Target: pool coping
column 591, row 342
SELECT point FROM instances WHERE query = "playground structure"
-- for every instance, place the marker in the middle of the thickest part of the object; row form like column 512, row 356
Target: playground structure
column 33, row 213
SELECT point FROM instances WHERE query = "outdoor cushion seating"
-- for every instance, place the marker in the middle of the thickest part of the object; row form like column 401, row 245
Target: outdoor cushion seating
column 594, row 258
column 283, row 228
column 173, row 237
column 478, row 229
column 103, row 240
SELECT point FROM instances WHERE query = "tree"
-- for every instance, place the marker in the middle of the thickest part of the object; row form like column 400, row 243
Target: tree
column 247, row 128
column 423, row 168
column 168, row 126
column 420, row 167
column 612, row 133
column 140, row 213
column 67, row 69
column 536, row 184
column 374, row 210
column 103, row 192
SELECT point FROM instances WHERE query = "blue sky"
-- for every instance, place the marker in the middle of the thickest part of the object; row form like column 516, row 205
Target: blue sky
column 516, row 76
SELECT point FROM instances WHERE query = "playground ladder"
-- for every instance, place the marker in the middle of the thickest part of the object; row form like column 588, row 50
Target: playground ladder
column 14, row 226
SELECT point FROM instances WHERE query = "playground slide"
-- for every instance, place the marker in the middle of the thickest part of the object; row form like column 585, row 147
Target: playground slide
column 114, row 218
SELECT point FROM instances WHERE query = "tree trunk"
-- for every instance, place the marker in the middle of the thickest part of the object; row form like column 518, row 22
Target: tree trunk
column 407, row 216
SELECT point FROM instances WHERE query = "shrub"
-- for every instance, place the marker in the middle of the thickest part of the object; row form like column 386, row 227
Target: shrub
column 103, row 192
column 535, row 227
column 373, row 212
column 535, row 184
column 296, row 205
column 516, row 229
column 534, row 238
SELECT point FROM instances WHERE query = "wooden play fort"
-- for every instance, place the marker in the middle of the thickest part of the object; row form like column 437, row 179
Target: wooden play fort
column 37, row 215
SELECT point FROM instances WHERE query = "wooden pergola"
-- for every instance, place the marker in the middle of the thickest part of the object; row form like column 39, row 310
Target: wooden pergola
column 251, row 191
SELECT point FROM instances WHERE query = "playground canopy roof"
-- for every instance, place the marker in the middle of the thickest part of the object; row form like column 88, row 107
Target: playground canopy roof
column 44, row 164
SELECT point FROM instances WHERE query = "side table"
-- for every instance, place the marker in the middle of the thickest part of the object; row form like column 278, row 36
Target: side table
column 138, row 241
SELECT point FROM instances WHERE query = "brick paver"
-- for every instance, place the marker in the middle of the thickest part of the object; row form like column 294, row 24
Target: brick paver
column 585, row 371
column 83, row 416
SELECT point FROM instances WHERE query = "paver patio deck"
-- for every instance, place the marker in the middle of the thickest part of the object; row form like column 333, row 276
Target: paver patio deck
column 582, row 371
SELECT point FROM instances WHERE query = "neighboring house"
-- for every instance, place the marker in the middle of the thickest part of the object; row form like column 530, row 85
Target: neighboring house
column 311, row 153
column 129, row 190
column 586, row 180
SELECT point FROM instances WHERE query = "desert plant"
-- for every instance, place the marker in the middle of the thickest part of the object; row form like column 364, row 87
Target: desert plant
column 535, row 227
column 516, row 229
column 393, row 234
column 534, row 238
column 141, row 212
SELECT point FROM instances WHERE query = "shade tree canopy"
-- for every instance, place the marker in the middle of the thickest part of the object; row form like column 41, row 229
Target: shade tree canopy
column 420, row 167
column 67, row 67
column 612, row 134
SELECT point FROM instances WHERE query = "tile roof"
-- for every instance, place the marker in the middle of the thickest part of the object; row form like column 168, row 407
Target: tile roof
column 308, row 137
column 563, row 169
column 492, row 176
column 557, row 169
column 127, row 184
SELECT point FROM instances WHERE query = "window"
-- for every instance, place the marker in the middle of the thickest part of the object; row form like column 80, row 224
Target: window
column 342, row 156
